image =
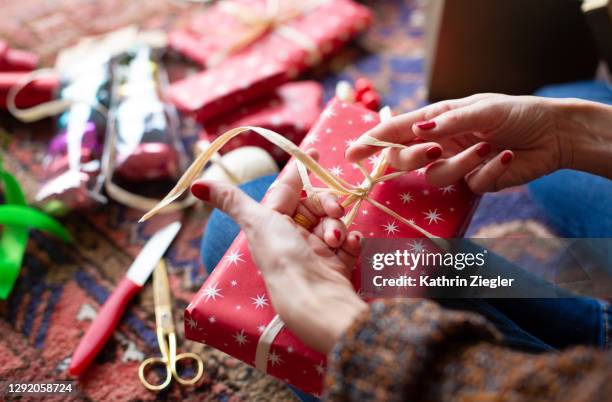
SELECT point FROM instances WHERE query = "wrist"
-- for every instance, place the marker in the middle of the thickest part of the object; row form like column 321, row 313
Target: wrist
column 585, row 136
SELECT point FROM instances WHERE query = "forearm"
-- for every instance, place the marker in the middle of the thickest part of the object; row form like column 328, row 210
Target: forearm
column 415, row 350
column 587, row 129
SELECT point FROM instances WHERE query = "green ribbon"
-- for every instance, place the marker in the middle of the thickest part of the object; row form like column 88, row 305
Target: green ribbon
column 17, row 218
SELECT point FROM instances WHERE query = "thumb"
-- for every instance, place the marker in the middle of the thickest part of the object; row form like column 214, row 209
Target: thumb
column 231, row 200
column 475, row 118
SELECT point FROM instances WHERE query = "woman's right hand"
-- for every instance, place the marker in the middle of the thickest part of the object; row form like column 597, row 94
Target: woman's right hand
column 496, row 141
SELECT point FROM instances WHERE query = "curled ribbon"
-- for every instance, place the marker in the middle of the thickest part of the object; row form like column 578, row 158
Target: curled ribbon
column 271, row 20
column 17, row 219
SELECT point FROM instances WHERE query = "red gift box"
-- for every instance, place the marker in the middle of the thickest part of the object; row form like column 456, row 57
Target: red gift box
column 291, row 111
column 15, row 59
column 39, row 91
column 232, row 309
column 278, row 47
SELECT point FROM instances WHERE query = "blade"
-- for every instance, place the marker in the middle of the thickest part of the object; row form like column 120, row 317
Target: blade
column 152, row 252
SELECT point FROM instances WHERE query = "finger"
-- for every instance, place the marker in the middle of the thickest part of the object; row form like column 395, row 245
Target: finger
column 285, row 195
column 331, row 231
column 399, row 128
column 349, row 252
column 324, row 204
column 477, row 117
column 447, row 171
column 487, row 178
column 415, row 156
column 231, row 200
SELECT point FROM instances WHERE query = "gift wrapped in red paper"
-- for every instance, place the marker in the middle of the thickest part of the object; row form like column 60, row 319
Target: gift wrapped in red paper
column 252, row 46
column 291, row 110
column 232, row 310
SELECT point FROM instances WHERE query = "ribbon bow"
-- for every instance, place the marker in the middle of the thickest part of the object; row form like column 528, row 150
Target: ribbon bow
column 17, row 219
column 272, row 19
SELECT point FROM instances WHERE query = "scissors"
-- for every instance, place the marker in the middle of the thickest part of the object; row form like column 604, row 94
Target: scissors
column 166, row 337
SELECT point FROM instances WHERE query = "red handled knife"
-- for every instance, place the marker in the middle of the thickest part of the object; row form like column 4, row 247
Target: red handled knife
column 112, row 310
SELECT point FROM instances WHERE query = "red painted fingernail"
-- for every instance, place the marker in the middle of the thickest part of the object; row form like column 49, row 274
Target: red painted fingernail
column 483, row 149
column 303, row 194
column 426, row 125
column 434, row 153
column 337, row 234
column 506, row 157
column 358, row 236
column 201, row 190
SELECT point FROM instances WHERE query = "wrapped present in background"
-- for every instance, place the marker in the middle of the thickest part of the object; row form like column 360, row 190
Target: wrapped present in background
column 291, row 110
column 16, row 59
column 232, row 310
column 249, row 48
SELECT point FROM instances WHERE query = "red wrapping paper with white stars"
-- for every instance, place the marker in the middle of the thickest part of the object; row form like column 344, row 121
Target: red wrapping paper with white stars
column 261, row 66
column 232, row 308
column 291, row 110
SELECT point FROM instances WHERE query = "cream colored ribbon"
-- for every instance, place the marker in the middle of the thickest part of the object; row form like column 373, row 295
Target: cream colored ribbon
column 273, row 19
column 355, row 195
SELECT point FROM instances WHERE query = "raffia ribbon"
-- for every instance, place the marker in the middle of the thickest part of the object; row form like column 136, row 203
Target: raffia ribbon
column 273, row 19
column 355, row 196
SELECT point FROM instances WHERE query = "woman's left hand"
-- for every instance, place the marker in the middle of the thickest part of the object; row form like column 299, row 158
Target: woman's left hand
column 306, row 273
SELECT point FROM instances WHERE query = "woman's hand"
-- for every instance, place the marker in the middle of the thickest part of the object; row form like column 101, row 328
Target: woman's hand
column 494, row 141
column 306, row 274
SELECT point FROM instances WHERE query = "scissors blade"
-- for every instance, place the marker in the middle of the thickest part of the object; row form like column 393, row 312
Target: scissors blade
column 152, row 252
column 161, row 295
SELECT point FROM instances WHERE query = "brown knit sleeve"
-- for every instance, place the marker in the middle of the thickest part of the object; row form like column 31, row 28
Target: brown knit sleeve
column 414, row 350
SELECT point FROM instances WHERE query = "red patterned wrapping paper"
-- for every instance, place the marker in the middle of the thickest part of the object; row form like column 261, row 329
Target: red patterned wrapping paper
column 291, row 111
column 232, row 308
column 266, row 63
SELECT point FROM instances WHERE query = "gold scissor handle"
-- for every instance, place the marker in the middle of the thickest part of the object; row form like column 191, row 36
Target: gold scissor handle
column 148, row 364
column 199, row 371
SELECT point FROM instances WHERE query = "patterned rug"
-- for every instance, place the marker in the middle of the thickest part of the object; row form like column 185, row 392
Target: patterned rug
column 61, row 287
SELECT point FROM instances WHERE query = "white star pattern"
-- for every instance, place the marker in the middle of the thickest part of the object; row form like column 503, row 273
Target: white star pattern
column 290, row 349
column 234, row 257
column 417, row 246
column 192, row 323
column 336, row 171
column 350, row 142
column 260, row 301
column 212, row 319
column 320, row 369
column 241, row 338
column 374, row 159
column 328, row 130
column 448, row 189
column 234, row 282
column 212, row 292
column 311, row 139
column 367, row 118
column 261, row 328
column 328, row 113
column 406, row 198
column 274, row 359
column 433, row 216
column 390, row 228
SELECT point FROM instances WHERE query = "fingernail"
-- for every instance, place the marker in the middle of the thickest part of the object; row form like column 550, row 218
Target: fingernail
column 303, row 194
column 426, row 125
column 483, row 149
column 358, row 236
column 434, row 153
column 337, row 234
column 201, row 190
column 506, row 158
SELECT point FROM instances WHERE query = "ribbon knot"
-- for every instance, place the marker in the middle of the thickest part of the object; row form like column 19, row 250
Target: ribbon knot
column 273, row 19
